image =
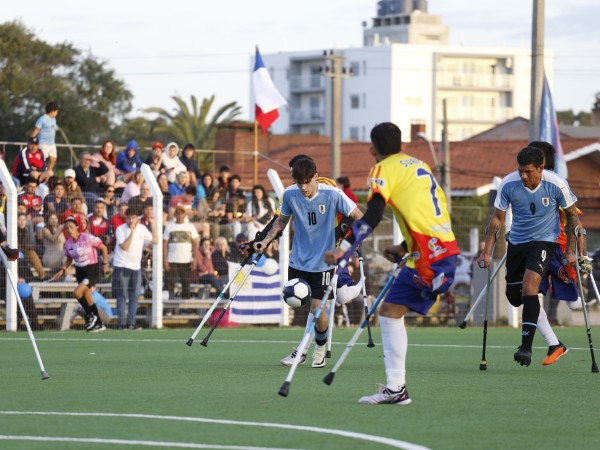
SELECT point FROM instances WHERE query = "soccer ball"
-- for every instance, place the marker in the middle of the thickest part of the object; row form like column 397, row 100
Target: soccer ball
column 296, row 292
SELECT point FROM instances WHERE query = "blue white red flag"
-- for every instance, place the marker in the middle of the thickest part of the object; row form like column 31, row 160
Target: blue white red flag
column 266, row 96
column 549, row 130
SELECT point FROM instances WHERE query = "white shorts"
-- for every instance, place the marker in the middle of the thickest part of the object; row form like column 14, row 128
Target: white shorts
column 48, row 150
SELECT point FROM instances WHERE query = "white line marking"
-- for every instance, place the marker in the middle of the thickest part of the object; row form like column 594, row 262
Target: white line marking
column 132, row 442
column 349, row 434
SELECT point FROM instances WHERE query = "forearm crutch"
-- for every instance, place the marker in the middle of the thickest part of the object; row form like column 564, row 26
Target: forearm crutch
column 25, row 319
column 361, row 230
column 190, row 341
column 204, row 342
column 483, row 363
column 329, row 377
column 331, row 322
column 481, row 295
column 370, row 344
column 583, row 304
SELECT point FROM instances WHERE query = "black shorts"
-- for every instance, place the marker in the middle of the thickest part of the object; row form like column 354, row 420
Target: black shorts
column 88, row 275
column 318, row 281
column 535, row 256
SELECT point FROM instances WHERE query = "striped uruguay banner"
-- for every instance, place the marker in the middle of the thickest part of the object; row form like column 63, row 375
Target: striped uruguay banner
column 259, row 299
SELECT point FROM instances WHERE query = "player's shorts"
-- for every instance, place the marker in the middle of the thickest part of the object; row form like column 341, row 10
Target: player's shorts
column 563, row 279
column 410, row 290
column 88, row 275
column 49, row 150
column 535, row 256
column 318, row 281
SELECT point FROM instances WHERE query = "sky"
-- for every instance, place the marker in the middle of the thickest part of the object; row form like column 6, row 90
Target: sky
column 203, row 47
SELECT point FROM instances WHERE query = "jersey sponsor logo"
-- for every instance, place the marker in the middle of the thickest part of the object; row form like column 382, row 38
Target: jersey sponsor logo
column 409, row 162
column 435, row 248
column 564, row 276
column 322, row 209
column 378, row 181
column 545, row 201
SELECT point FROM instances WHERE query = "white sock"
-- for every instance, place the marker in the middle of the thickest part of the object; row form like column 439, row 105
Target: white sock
column 543, row 326
column 395, row 345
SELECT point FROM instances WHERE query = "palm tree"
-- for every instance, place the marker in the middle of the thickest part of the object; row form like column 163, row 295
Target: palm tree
column 192, row 124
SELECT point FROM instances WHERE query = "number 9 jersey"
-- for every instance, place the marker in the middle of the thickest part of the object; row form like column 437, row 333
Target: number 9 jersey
column 419, row 206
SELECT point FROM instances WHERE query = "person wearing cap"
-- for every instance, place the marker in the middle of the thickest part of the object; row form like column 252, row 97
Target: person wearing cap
column 99, row 225
column 45, row 130
column 187, row 159
column 131, row 238
column 72, row 189
column 154, row 159
column 128, row 160
column 30, row 163
column 180, row 248
column 108, row 155
column 172, row 163
column 82, row 249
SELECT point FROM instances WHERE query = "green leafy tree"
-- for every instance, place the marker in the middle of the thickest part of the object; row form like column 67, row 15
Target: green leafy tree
column 191, row 124
column 32, row 73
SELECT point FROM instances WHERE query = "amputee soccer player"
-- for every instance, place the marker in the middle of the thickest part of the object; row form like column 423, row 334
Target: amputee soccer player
column 536, row 195
column 419, row 205
column 314, row 207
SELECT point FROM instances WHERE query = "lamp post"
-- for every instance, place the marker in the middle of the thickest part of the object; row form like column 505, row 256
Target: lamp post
column 436, row 161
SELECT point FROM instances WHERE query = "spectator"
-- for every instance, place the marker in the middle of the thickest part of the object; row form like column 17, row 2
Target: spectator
column 32, row 202
column 118, row 219
column 187, row 159
column 180, row 248
column 47, row 186
column 72, row 189
column 163, row 184
column 187, row 200
column 108, row 156
column 205, row 271
column 128, row 161
column 99, row 225
column 344, row 184
column 259, row 211
column 178, row 188
column 234, row 207
column 219, row 257
column 30, row 163
column 139, row 202
column 54, row 243
column 133, row 187
column 26, row 242
column 89, row 178
column 110, row 201
column 172, row 163
column 214, row 213
column 76, row 213
column 223, row 179
column 234, row 249
column 45, row 131
column 155, row 159
column 131, row 238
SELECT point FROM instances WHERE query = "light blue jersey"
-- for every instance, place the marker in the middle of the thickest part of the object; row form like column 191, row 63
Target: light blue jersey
column 48, row 127
column 314, row 224
column 535, row 213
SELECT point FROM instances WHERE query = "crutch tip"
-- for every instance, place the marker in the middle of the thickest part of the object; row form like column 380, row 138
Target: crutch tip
column 594, row 368
column 189, row 342
column 483, row 365
column 328, row 354
column 284, row 389
column 463, row 325
column 45, row 374
column 204, row 343
column 371, row 344
column 329, row 378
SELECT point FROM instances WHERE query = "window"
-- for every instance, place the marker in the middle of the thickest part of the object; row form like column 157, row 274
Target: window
column 354, row 102
column 354, row 133
column 355, row 68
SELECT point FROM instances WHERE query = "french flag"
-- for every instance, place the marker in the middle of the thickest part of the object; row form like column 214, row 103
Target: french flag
column 549, row 131
column 266, row 96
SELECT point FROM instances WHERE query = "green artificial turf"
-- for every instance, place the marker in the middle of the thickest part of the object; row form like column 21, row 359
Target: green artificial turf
column 235, row 380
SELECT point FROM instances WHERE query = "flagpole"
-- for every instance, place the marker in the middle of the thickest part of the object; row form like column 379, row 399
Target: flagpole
column 255, row 153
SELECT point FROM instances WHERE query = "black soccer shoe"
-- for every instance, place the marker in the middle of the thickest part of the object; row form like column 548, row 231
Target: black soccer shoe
column 523, row 355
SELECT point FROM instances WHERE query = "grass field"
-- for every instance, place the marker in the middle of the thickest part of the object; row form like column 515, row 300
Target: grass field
column 140, row 389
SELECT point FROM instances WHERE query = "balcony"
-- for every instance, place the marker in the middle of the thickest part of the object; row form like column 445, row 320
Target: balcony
column 307, row 83
column 307, row 116
column 495, row 82
column 478, row 114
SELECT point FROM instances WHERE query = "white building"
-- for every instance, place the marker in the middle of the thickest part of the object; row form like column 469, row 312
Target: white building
column 401, row 75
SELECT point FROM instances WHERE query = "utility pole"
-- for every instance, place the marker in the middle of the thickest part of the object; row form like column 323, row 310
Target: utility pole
column 537, row 69
column 336, row 72
column 446, row 164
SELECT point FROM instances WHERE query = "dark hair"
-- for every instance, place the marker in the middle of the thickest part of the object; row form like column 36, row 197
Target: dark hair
column 265, row 201
column 190, row 190
column 235, row 177
column 386, row 138
column 53, row 181
column 223, row 169
column 304, row 170
column 51, row 106
column 548, row 151
column 298, row 158
column 530, row 155
column 344, row 181
column 189, row 146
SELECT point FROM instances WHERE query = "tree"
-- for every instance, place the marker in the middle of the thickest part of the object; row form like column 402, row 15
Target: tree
column 191, row 125
column 32, row 73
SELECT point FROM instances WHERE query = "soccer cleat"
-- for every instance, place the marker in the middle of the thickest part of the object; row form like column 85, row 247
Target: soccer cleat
column 523, row 355
column 289, row 360
column 554, row 352
column 386, row 395
column 319, row 356
column 90, row 321
column 99, row 326
column 11, row 253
